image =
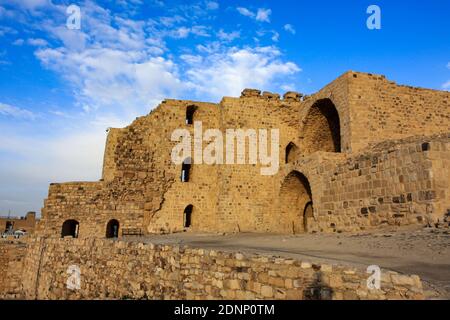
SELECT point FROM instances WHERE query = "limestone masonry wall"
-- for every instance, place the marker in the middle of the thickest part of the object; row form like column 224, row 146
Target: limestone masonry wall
column 121, row 270
column 382, row 110
column 396, row 183
column 332, row 176
column 12, row 255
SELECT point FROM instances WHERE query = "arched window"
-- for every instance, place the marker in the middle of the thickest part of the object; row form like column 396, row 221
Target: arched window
column 190, row 114
column 112, row 229
column 186, row 170
column 70, row 228
column 321, row 131
column 291, row 152
column 187, row 219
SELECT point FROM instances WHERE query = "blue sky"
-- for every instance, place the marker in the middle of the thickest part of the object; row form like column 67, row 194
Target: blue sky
column 60, row 88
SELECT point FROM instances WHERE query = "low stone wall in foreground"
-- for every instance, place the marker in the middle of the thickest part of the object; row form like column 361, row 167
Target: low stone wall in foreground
column 122, row 270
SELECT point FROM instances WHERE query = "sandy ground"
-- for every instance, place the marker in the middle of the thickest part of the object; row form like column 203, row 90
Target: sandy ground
column 421, row 251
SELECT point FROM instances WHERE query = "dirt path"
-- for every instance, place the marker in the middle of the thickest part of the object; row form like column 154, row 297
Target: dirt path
column 425, row 252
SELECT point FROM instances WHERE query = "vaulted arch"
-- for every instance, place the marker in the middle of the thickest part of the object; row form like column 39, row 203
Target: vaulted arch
column 292, row 152
column 321, row 130
column 295, row 203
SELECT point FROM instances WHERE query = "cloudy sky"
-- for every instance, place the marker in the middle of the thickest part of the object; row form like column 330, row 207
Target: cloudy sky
column 61, row 88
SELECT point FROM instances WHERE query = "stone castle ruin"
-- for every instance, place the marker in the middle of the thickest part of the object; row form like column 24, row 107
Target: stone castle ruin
column 361, row 153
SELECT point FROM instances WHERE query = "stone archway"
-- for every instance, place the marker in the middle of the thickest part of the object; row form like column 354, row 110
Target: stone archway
column 295, row 196
column 291, row 152
column 321, row 130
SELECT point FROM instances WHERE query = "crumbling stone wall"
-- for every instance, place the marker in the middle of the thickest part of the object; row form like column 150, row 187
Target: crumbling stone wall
column 123, row 270
column 12, row 255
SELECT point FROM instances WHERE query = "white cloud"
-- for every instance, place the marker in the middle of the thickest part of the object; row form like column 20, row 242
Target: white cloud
column 212, row 5
column 263, row 15
column 182, row 32
column 289, row 28
column 125, row 81
column 230, row 71
column 18, row 42
column 6, row 30
column 15, row 112
column 31, row 4
column 170, row 21
column 222, row 35
column 448, row 65
column 288, row 87
column 245, row 12
column 446, row 85
column 37, row 42
column 275, row 36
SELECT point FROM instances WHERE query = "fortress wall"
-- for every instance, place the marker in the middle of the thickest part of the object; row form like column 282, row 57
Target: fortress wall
column 12, row 254
column 119, row 270
column 382, row 110
column 245, row 195
column 392, row 184
column 201, row 190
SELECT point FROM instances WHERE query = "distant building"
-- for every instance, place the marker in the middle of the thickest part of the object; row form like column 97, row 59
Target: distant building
column 27, row 223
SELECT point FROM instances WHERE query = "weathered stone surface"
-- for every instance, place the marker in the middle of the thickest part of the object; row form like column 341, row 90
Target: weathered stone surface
column 133, row 270
column 292, row 96
column 249, row 93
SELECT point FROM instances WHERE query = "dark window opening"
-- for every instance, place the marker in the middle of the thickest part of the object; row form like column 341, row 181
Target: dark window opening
column 186, row 170
column 112, row 229
column 291, row 152
column 425, row 146
column 188, row 216
column 70, row 228
column 190, row 114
